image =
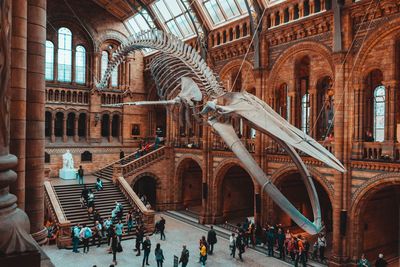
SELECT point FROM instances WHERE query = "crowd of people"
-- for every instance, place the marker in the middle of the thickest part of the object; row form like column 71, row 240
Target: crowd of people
column 282, row 244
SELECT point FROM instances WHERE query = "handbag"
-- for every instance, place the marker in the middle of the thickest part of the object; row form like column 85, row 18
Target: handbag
column 119, row 247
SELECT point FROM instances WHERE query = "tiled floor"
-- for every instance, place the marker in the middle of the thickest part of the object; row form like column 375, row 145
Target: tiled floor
column 177, row 233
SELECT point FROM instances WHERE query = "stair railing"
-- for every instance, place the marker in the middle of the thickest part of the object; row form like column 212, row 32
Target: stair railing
column 57, row 215
column 129, row 157
column 132, row 166
column 134, row 200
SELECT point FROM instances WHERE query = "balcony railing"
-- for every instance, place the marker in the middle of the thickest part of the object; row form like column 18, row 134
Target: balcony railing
column 67, row 96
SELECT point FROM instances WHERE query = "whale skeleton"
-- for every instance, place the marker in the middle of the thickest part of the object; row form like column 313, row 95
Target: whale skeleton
column 183, row 79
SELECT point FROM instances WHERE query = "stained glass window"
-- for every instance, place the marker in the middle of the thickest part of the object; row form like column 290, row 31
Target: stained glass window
column 80, row 64
column 305, row 113
column 379, row 113
column 174, row 15
column 64, row 55
column 221, row 11
column 49, row 61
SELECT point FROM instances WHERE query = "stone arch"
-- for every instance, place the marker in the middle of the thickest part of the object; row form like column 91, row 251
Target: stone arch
column 247, row 67
column 390, row 27
column 111, row 35
column 280, row 173
column 302, row 47
column 218, row 195
column 359, row 202
column 190, row 187
column 286, row 180
column 152, row 187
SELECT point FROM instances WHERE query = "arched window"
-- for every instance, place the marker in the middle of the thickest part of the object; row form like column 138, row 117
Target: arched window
column 379, row 113
column 305, row 113
column 114, row 77
column 80, row 64
column 49, row 61
column 104, row 63
column 64, row 54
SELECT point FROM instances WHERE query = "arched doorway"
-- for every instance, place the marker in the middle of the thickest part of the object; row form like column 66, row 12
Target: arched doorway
column 146, row 186
column 237, row 195
column 294, row 189
column 379, row 226
column 105, row 125
column 190, row 176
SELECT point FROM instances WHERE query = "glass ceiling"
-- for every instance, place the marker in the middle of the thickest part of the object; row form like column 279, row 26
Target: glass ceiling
column 137, row 23
column 220, row 11
column 174, row 17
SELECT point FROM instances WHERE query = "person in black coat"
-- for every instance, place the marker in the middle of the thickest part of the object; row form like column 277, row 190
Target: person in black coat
column 146, row 251
column 161, row 228
column 114, row 247
column 281, row 241
column 270, row 241
column 211, row 239
column 380, row 262
column 139, row 240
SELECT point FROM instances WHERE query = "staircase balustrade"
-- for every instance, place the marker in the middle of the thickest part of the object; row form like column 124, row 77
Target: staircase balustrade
column 134, row 200
column 57, row 215
column 138, row 163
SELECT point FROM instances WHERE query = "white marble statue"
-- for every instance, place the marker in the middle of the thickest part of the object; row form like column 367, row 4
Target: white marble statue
column 68, row 160
column 67, row 172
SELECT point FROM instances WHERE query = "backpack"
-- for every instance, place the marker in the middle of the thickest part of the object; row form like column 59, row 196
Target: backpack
column 87, row 233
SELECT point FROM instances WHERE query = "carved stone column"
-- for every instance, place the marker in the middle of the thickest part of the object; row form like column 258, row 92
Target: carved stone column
column 281, row 16
column 301, row 9
column 53, row 128
column 323, row 5
column 312, row 7
column 272, row 16
column 110, row 128
column 16, row 245
column 314, row 113
column 64, row 136
column 76, row 137
column 36, row 118
column 291, row 12
column 18, row 97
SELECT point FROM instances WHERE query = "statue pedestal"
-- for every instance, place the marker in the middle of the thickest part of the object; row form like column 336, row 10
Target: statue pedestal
column 67, row 174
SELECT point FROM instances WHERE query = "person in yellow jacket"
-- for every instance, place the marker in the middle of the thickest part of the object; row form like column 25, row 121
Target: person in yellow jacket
column 203, row 254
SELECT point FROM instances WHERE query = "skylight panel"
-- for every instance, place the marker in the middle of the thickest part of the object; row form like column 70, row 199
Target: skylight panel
column 221, row 11
column 174, row 16
column 137, row 23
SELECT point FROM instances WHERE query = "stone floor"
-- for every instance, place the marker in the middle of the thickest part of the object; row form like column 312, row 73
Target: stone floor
column 177, row 233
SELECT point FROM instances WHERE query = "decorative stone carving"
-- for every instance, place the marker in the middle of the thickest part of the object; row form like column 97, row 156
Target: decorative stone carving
column 14, row 223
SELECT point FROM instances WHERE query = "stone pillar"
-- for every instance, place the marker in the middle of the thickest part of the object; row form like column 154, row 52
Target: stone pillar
column 121, row 128
column 53, row 128
column 281, row 16
column 65, row 137
column 35, row 118
column 272, row 16
column 110, row 128
column 323, row 5
column 314, row 113
column 291, row 12
column 301, row 9
column 76, row 137
column 16, row 245
column 18, row 97
column 340, row 199
column 312, row 6
column 87, row 128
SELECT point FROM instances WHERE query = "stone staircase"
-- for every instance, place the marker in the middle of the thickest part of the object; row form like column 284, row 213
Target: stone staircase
column 69, row 195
